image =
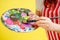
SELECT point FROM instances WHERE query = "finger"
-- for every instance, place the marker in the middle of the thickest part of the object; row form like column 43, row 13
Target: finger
column 45, row 26
column 34, row 17
column 32, row 23
column 31, row 14
column 42, row 22
column 44, row 19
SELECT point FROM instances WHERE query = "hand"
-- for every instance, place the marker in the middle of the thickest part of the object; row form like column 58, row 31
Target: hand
column 45, row 23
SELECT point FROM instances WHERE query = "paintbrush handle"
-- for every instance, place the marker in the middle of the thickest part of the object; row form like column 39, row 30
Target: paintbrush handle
column 31, row 20
column 42, row 19
column 54, row 17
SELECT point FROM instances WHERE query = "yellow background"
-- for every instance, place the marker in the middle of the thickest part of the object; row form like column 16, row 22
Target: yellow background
column 6, row 34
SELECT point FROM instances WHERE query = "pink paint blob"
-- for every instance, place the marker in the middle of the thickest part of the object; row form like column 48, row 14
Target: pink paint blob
column 9, row 21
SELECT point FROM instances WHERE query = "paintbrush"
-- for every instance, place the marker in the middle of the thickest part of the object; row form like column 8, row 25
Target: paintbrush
column 42, row 19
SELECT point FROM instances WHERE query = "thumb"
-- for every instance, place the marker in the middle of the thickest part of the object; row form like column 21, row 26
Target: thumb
column 38, row 12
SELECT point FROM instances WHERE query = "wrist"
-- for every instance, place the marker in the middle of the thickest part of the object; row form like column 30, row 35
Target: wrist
column 55, row 27
column 52, row 27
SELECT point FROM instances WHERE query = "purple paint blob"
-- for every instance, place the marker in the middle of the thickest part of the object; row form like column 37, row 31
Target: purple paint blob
column 23, row 14
column 27, row 25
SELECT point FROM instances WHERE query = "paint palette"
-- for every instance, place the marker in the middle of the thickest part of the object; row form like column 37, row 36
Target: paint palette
column 16, row 20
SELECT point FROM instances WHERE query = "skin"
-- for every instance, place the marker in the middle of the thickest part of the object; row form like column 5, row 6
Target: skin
column 45, row 23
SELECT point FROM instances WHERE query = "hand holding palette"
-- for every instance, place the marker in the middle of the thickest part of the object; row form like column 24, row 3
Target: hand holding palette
column 17, row 20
